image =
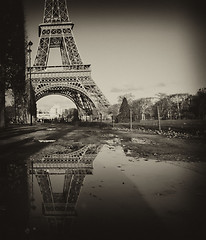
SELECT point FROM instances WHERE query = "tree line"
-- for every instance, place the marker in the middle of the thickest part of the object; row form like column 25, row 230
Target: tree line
column 174, row 106
column 13, row 63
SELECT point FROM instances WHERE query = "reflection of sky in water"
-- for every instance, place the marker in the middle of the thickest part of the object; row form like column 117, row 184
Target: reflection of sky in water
column 123, row 192
column 57, row 182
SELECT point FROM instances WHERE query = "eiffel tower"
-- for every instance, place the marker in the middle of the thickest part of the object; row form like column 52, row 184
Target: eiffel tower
column 73, row 78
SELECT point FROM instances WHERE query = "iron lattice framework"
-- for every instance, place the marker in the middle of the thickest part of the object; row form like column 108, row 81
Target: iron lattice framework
column 73, row 78
column 57, row 207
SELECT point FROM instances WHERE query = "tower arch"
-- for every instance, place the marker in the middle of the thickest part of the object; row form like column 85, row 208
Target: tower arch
column 81, row 100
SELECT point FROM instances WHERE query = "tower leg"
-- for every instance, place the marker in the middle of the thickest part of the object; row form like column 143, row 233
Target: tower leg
column 42, row 52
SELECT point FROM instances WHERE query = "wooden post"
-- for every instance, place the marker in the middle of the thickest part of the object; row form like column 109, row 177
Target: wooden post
column 130, row 111
column 112, row 120
column 158, row 114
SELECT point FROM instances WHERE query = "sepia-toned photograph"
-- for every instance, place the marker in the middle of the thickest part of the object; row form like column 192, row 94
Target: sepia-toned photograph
column 102, row 120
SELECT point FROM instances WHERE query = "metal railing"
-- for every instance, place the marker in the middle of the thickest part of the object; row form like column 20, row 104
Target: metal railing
column 66, row 67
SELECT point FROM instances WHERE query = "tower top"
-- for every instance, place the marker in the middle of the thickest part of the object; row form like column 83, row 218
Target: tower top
column 55, row 11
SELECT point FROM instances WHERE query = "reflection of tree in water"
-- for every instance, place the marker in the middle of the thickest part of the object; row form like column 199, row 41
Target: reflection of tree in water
column 14, row 208
column 59, row 207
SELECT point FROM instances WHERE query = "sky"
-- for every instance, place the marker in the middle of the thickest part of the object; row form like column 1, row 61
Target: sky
column 138, row 47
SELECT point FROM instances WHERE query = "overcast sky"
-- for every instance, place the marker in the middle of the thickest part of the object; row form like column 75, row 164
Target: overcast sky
column 137, row 48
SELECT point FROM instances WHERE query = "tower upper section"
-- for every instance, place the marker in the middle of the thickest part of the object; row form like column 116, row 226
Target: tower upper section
column 55, row 11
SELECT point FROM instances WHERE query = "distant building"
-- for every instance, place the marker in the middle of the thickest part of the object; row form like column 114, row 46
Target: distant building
column 41, row 115
column 55, row 112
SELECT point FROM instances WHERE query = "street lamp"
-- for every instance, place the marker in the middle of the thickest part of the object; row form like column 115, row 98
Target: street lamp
column 30, row 84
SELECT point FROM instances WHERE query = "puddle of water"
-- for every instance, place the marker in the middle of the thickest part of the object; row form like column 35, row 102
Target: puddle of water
column 51, row 129
column 97, row 192
column 99, row 189
column 47, row 140
column 141, row 141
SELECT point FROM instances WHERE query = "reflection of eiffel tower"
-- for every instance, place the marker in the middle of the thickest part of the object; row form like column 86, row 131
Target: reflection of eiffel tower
column 58, row 207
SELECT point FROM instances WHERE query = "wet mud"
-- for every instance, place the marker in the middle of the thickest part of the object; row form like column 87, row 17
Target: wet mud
column 84, row 183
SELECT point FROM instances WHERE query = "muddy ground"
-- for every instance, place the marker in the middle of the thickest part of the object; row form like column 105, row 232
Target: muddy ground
column 151, row 179
column 23, row 142
column 162, row 147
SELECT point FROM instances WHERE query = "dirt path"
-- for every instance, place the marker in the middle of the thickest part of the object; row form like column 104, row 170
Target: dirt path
column 25, row 141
